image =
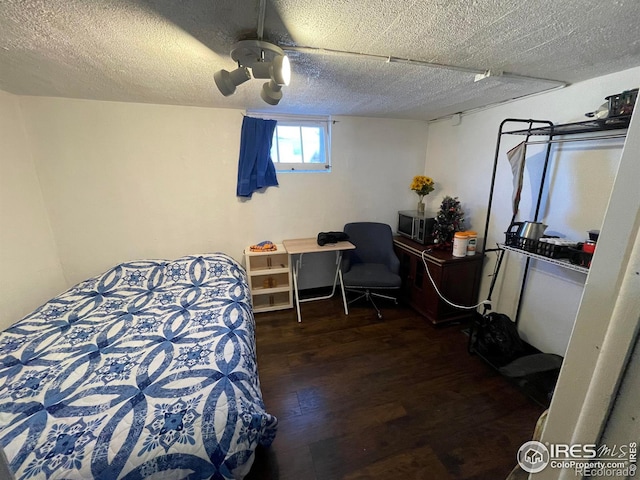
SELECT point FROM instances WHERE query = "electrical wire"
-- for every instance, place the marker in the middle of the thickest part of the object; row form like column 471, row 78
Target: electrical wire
column 463, row 307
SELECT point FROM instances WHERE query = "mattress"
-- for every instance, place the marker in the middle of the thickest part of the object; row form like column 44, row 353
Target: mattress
column 146, row 371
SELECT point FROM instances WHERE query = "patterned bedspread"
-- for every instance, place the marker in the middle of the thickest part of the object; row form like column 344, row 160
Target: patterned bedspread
column 146, row 371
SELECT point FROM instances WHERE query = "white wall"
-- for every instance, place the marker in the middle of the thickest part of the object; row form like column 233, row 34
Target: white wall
column 460, row 158
column 127, row 181
column 31, row 272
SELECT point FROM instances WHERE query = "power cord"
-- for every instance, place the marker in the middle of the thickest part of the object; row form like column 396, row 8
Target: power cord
column 464, row 307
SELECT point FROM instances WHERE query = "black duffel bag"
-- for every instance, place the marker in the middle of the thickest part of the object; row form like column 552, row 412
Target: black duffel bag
column 331, row 237
column 496, row 335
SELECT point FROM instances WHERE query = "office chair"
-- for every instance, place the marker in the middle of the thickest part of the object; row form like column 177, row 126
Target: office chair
column 373, row 265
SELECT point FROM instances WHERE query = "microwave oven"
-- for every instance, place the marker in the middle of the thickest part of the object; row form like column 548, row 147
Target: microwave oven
column 416, row 226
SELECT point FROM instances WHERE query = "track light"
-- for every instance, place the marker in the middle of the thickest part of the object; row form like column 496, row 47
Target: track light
column 228, row 81
column 281, row 70
column 257, row 59
column 271, row 92
column 278, row 70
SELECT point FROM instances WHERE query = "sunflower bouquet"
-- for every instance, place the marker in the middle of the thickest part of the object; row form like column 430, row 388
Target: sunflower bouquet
column 422, row 185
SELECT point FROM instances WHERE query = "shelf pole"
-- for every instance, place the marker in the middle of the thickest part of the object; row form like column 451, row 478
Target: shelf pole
column 493, row 182
column 523, row 285
column 525, row 274
column 544, row 175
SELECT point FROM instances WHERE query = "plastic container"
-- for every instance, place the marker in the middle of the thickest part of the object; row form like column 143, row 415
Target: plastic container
column 460, row 244
column 579, row 256
column 554, row 247
column 472, row 241
column 622, row 103
column 589, row 246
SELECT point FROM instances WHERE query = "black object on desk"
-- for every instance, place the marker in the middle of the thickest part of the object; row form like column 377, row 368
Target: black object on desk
column 331, row 237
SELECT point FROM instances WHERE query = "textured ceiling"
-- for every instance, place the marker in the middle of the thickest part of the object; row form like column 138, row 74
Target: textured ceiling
column 166, row 51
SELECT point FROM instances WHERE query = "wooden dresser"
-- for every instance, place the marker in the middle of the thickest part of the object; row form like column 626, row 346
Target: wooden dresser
column 458, row 279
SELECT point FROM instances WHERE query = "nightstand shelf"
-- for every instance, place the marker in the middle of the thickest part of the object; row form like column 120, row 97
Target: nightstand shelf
column 269, row 276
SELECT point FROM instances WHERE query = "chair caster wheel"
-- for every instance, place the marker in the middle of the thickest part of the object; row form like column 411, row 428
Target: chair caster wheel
column 379, row 316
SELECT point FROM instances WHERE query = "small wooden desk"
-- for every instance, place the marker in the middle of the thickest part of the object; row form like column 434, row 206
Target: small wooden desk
column 300, row 246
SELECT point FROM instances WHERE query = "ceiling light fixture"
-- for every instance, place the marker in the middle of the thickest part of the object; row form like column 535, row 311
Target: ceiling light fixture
column 228, row 81
column 271, row 93
column 257, row 59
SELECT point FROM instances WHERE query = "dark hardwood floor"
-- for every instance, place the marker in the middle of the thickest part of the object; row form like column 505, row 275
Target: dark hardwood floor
column 362, row 398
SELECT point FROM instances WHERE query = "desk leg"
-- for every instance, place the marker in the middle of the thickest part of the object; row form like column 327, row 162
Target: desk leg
column 296, row 267
column 344, row 296
column 337, row 277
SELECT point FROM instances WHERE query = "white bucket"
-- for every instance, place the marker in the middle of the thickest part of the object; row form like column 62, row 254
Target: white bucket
column 460, row 244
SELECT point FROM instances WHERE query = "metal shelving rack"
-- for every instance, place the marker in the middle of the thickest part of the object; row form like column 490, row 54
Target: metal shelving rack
column 600, row 129
column 571, row 132
column 555, row 261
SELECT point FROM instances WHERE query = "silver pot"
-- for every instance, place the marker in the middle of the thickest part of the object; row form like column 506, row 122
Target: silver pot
column 531, row 230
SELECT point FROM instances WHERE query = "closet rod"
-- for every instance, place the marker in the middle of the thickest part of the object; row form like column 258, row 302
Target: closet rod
column 580, row 139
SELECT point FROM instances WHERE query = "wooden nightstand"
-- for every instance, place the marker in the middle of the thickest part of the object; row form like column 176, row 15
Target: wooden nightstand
column 458, row 279
column 269, row 279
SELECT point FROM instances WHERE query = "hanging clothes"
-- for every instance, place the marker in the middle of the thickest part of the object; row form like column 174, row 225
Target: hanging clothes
column 516, row 158
column 255, row 167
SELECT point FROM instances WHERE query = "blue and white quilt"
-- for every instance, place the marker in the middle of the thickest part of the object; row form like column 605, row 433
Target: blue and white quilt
column 146, row 371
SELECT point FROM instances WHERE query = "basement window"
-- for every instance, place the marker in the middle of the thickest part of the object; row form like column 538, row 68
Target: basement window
column 300, row 143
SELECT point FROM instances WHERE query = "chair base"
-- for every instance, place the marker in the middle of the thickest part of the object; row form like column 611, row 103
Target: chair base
column 368, row 295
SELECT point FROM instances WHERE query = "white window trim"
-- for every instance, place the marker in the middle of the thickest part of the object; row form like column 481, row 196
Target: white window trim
column 322, row 121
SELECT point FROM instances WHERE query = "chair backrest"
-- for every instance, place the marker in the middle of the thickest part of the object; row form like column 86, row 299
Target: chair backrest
column 373, row 241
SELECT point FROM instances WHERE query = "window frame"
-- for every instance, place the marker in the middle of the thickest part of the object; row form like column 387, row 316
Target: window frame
column 323, row 122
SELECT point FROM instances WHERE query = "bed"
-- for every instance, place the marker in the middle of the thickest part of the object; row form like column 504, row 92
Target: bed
column 146, row 371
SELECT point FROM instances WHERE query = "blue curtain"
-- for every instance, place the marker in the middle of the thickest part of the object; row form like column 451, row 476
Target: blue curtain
column 255, row 167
